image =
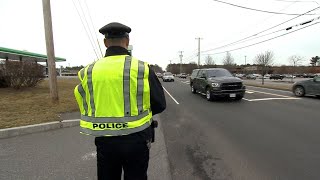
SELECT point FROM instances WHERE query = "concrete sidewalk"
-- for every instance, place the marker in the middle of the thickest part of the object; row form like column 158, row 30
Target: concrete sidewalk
column 64, row 153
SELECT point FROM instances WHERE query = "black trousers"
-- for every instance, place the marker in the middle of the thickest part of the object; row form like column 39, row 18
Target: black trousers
column 133, row 158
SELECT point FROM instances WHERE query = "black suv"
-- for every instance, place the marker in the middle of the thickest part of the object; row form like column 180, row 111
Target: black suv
column 216, row 82
column 276, row 76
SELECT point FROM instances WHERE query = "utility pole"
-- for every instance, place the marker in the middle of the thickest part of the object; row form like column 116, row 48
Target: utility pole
column 50, row 51
column 170, row 66
column 245, row 63
column 198, row 50
column 180, row 61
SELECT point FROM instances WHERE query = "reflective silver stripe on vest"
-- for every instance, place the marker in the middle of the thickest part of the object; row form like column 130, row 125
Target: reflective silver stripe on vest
column 114, row 119
column 140, row 86
column 83, row 95
column 107, row 132
column 90, row 87
column 82, row 74
column 126, row 86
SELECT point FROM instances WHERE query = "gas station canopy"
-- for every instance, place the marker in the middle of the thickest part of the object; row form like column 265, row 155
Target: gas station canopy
column 12, row 54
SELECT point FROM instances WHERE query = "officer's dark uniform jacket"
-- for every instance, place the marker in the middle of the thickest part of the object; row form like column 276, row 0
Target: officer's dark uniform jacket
column 157, row 102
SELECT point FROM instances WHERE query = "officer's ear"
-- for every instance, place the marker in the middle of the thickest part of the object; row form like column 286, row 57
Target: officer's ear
column 106, row 42
column 127, row 41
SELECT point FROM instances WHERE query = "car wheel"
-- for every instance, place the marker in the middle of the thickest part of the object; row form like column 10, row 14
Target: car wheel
column 299, row 91
column 208, row 94
column 193, row 90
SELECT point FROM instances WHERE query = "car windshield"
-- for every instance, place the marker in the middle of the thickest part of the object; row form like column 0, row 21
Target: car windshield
column 219, row 73
column 167, row 73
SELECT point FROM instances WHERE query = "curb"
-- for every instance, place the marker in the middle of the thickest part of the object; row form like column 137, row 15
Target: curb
column 23, row 130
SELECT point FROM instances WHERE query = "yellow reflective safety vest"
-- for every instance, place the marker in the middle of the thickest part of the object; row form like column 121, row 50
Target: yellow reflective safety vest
column 114, row 96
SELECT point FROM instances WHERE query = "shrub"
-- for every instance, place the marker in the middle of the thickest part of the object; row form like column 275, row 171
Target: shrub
column 22, row 74
column 3, row 82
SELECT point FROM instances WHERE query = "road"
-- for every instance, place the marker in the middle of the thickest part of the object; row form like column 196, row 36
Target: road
column 65, row 154
column 268, row 135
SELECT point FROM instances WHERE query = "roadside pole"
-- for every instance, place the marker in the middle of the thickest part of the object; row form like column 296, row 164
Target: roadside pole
column 50, row 51
column 180, row 61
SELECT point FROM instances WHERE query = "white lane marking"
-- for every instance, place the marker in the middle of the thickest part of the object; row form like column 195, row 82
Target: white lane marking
column 269, row 89
column 246, row 99
column 171, row 96
column 89, row 156
column 249, row 92
column 267, row 99
column 185, row 82
column 271, row 94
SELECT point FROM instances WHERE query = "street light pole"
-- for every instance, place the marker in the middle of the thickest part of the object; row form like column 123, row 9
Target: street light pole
column 198, row 51
column 180, row 61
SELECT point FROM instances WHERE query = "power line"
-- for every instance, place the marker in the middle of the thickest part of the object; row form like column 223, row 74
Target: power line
column 85, row 30
column 85, row 19
column 296, row 1
column 285, row 29
column 95, row 33
column 257, row 9
column 238, row 41
column 266, row 39
column 263, row 21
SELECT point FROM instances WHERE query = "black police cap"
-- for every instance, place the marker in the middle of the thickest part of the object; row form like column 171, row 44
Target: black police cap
column 115, row 30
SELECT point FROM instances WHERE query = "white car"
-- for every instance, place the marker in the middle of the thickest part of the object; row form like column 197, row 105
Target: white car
column 167, row 76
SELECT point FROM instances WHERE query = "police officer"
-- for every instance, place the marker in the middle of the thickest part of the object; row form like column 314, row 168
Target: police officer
column 117, row 97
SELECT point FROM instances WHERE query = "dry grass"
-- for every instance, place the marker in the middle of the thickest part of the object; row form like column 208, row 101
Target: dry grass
column 33, row 105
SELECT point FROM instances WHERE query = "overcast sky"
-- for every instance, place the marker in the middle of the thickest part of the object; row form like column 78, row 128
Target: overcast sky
column 162, row 28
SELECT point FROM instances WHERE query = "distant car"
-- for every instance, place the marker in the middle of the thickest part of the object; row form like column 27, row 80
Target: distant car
column 167, row 76
column 239, row 75
column 307, row 87
column 251, row 76
column 309, row 75
column 290, row 76
column 159, row 75
column 183, row 75
column 276, row 76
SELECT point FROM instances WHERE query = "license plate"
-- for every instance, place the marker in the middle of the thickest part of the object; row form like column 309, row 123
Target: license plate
column 232, row 95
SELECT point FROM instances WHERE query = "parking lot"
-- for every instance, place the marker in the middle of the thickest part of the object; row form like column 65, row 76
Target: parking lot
column 270, row 134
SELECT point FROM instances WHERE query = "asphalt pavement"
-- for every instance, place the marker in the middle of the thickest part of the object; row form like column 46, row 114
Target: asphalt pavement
column 65, row 154
column 270, row 134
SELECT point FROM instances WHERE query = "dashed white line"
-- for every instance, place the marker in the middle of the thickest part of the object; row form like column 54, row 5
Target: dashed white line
column 271, row 94
column 185, row 82
column 171, row 96
column 268, row 89
column 266, row 99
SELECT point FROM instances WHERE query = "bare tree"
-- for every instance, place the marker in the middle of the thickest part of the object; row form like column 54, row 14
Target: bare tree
column 315, row 60
column 228, row 60
column 264, row 60
column 295, row 61
column 209, row 60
